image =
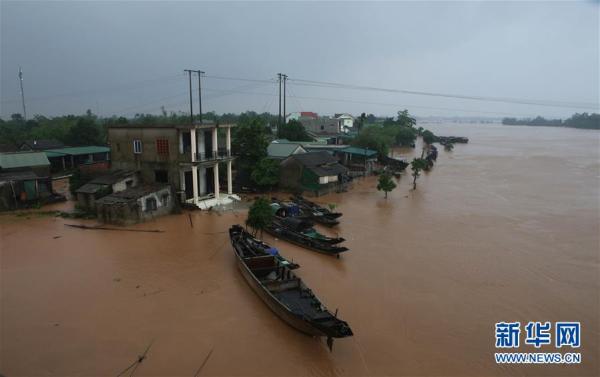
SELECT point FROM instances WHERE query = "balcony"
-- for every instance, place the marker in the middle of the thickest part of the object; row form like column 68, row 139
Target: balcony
column 221, row 154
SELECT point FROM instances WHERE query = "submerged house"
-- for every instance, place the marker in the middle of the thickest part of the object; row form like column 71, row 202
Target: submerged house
column 24, row 178
column 89, row 158
column 118, row 180
column 358, row 160
column 188, row 157
column 316, row 173
column 136, row 204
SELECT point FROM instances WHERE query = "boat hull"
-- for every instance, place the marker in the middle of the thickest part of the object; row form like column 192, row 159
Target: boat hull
column 306, row 246
column 275, row 305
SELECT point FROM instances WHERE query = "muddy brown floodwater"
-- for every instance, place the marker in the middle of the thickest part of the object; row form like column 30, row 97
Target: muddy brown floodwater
column 504, row 228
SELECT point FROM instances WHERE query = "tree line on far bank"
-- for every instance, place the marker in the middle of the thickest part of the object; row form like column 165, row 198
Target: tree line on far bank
column 584, row 120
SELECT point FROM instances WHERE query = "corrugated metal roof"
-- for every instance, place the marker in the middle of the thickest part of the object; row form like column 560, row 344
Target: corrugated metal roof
column 76, row 151
column 23, row 160
column 283, row 150
column 359, row 151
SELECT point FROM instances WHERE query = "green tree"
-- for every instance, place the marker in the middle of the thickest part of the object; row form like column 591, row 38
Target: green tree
column 361, row 122
column 260, row 215
column 405, row 120
column 266, row 173
column 386, row 183
column 84, row 132
column 374, row 137
column 417, row 165
column 293, row 130
column 428, row 137
column 249, row 142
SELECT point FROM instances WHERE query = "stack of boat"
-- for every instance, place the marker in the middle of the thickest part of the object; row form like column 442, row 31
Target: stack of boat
column 270, row 276
column 294, row 220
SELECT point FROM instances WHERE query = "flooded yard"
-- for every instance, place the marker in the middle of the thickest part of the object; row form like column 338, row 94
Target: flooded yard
column 504, row 228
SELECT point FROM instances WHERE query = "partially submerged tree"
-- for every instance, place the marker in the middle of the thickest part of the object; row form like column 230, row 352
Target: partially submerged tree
column 386, row 183
column 260, row 215
column 428, row 137
column 266, row 173
column 417, row 165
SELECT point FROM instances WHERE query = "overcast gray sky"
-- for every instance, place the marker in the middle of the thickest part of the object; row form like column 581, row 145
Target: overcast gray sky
column 125, row 57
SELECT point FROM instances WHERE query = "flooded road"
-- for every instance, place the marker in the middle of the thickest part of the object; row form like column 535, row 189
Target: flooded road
column 504, row 228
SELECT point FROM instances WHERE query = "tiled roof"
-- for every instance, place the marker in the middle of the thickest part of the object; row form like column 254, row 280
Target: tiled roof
column 321, row 163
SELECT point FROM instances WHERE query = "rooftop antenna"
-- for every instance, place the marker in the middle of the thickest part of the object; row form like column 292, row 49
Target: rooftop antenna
column 22, row 93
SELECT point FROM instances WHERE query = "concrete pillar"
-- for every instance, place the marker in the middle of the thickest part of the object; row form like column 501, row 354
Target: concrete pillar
column 195, row 183
column 64, row 163
column 202, row 173
column 215, row 145
column 201, row 146
column 180, row 142
column 229, row 181
column 216, row 180
column 193, row 140
column 228, row 140
column 182, row 184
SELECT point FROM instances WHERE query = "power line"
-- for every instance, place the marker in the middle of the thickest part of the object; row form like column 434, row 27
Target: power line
column 520, row 101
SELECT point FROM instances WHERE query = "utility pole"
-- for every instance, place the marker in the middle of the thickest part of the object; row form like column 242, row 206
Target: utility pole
column 200, row 73
column 284, row 113
column 189, row 71
column 279, row 116
column 22, row 93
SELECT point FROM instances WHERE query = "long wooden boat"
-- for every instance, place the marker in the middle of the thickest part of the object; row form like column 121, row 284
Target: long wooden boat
column 285, row 293
column 258, row 248
column 293, row 209
column 306, row 228
column 316, row 212
column 278, row 228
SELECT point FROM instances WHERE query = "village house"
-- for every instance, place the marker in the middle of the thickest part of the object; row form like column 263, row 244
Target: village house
column 116, row 181
column 302, row 115
column 136, row 204
column 322, row 125
column 187, row 157
column 359, row 161
column 316, row 173
column 24, row 178
column 88, row 158
column 347, row 121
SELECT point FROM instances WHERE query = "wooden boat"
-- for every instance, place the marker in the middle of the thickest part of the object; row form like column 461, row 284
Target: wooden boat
column 280, row 228
column 285, row 293
column 293, row 209
column 306, row 228
column 254, row 247
column 316, row 212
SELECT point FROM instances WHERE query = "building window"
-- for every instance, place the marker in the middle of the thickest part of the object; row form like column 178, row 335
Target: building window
column 137, row 146
column 162, row 146
column 151, row 204
column 161, row 176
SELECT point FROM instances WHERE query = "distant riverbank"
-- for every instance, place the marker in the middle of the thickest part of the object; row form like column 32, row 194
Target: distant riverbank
column 583, row 121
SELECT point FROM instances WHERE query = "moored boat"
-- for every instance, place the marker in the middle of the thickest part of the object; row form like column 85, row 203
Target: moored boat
column 283, row 228
column 254, row 247
column 285, row 293
column 316, row 212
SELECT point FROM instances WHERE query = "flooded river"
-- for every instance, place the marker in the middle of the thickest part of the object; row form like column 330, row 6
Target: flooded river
column 504, row 228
